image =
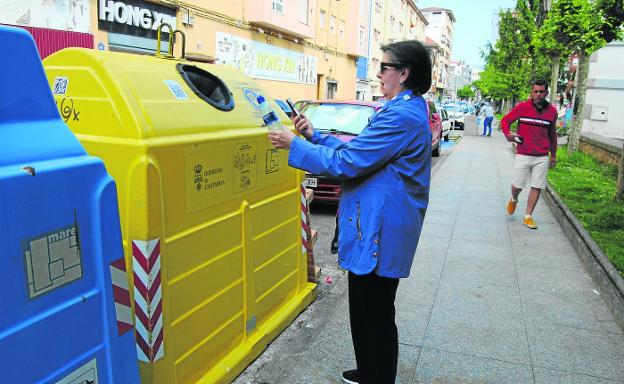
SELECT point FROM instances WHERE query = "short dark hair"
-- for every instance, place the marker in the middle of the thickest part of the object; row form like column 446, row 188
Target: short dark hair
column 414, row 55
column 539, row 82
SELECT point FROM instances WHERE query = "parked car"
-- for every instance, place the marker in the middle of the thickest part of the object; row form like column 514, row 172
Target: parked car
column 446, row 123
column 345, row 120
column 455, row 114
column 435, row 124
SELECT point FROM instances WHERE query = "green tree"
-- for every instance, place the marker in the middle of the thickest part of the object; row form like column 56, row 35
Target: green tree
column 583, row 27
column 465, row 92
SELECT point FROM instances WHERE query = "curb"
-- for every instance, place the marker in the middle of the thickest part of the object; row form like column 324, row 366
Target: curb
column 604, row 274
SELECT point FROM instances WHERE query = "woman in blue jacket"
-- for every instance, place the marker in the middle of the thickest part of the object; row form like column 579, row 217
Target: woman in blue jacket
column 386, row 172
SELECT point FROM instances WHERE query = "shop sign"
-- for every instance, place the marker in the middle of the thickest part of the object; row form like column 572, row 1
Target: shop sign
column 264, row 61
column 134, row 17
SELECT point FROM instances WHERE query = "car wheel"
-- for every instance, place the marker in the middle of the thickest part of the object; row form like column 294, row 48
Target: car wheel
column 436, row 151
column 446, row 138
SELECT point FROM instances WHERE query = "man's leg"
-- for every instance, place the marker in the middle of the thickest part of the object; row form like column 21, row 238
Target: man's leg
column 515, row 192
column 534, row 195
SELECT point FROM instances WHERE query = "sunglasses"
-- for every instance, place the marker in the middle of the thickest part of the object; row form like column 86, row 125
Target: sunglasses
column 383, row 66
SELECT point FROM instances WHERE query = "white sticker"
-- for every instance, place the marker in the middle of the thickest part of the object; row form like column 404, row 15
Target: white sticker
column 85, row 374
column 52, row 260
column 176, row 89
column 60, row 85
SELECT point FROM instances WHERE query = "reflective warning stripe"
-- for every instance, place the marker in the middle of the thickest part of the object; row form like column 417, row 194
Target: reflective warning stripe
column 148, row 300
column 121, row 295
column 305, row 226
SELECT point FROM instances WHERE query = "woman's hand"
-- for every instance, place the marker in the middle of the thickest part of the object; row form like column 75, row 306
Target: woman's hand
column 281, row 138
column 303, row 126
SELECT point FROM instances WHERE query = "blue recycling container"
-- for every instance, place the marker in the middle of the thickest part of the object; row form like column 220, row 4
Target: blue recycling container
column 64, row 306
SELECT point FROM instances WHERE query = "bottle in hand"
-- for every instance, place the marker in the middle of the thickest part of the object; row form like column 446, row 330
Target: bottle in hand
column 271, row 121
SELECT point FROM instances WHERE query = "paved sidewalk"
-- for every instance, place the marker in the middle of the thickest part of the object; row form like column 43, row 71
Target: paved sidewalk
column 488, row 300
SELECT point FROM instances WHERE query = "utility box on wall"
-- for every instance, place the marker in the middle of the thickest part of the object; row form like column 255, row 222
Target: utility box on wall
column 599, row 112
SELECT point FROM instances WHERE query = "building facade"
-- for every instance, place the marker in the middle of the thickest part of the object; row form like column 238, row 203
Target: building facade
column 440, row 30
column 605, row 92
column 53, row 24
column 301, row 49
column 391, row 20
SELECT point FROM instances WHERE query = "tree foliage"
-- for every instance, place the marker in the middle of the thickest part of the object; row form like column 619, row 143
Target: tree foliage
column 465, row 92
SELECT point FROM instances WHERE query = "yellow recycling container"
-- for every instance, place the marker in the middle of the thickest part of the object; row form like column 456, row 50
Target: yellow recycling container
column 210, row 212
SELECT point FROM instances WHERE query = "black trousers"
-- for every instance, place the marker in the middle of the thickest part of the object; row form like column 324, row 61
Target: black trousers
column 373, row 330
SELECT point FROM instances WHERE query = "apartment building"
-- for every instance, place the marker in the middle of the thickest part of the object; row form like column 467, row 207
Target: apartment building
column 440, row 30
column 438, row 76
column 460, row 74
column 302, row 49
column 391, row 20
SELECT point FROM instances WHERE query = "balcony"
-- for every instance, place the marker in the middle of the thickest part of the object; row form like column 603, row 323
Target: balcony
column 285, row 16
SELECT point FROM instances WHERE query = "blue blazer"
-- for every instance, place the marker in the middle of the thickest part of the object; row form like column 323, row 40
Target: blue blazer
column 386, row 172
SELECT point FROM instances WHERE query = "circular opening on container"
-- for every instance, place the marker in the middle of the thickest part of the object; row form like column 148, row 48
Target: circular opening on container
column 207, row 86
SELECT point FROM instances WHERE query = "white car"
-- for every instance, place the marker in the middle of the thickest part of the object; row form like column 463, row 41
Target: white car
column 455, row 114
column 446, row 124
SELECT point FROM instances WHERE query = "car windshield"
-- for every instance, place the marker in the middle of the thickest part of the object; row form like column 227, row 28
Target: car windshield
column 342, row 118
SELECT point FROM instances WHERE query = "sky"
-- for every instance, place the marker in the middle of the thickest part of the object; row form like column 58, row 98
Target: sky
column 473, row 28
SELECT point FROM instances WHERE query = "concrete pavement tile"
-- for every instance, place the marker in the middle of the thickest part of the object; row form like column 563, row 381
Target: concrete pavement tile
column 408, row 357
column 438, row 217
column 485, row 210
column 432, row 244
column 547, row 258
column 585, row 311
column 442, row 367
column 480, row 271
column 550, row 376
column 570, row 283
column 468, row 221
column 483, row 254
column 497, row 301
column 412, row 323
column 493, row 196
column 577, row 350
column 478, row 334
column 440, row 231
column 417, row 291
column 543, row 237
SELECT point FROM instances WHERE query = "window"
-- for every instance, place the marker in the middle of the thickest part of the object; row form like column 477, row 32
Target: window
column 362, row 37
column 332, row 24
column 303, row 11
column 278, row 6
column 322, row 19
column 376, row 35
column 342, row 29
column 378, row 6
column 400, row 27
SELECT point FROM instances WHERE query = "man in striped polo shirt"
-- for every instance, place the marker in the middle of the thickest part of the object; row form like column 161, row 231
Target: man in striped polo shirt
column 535, row 138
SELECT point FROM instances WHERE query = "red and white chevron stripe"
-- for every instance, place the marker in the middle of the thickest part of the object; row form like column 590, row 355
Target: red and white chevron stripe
column 121, row 295
column 148, row 300
column 305, row 226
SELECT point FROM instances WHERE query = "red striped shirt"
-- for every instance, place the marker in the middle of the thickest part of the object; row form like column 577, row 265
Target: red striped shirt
column 537, row 128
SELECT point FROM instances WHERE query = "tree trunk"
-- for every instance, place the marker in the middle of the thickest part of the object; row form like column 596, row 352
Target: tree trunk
column 581, row 87
column 554, row 77
column 619, row 195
